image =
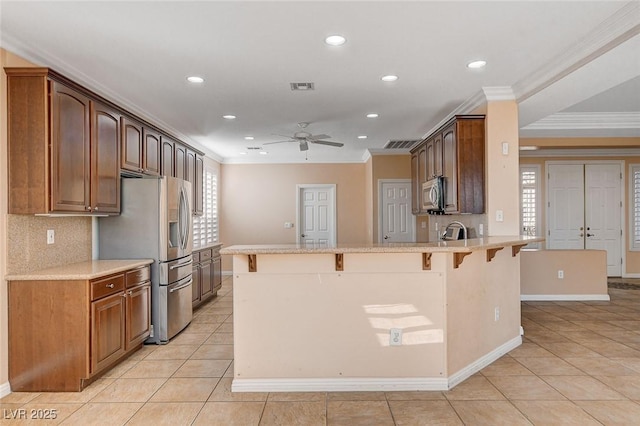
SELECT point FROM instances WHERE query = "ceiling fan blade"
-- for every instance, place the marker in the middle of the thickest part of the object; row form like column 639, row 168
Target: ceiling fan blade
column 304, row 146
column 316, row 137
column 284, row 136
column 338, row 144
column 269, row 143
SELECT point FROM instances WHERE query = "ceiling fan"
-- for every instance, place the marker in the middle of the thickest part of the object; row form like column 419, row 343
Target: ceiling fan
column 305, row 138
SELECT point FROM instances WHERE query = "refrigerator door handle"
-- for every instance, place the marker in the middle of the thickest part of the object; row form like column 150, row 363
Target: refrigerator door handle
column 183, row 219
column 180, row 287
column 180, row 265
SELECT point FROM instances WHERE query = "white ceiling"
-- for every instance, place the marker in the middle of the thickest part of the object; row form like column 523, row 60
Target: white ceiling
column 573, row 66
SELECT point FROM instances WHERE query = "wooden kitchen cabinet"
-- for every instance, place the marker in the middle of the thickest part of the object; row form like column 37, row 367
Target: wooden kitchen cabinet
column 141, row 148
column 208, row 270
column 456, row 152
column 61, row 146
column 180, row 161
column 167, row 164
column 198, row 192
column 64, row 333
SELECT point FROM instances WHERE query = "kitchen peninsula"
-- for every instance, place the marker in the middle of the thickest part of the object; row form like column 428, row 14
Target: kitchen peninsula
column 373, row 317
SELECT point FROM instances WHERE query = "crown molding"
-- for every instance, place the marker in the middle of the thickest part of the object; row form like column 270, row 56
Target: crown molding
column 615, row 30
column 587, row 121
column 498, row 93
column 580, row 152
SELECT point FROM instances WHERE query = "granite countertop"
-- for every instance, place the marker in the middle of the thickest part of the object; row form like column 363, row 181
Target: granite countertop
column 458, row 246
column 81, row 270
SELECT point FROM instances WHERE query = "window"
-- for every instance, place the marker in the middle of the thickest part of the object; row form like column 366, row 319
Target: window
column 205, row 227
column 634, row 186
column 530, row 202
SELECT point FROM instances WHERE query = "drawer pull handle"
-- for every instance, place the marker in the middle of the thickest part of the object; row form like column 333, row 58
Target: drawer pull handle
column 110, row 285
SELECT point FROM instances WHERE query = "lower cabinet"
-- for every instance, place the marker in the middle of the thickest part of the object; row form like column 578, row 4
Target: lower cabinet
column 207, row 274
column 64, row 333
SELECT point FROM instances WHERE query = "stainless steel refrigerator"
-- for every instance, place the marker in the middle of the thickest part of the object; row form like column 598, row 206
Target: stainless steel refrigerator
column 155, row 223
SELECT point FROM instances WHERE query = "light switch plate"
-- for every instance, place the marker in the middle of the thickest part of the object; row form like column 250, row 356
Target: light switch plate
column 51, row 236
column 499, row 216
column 395, row 337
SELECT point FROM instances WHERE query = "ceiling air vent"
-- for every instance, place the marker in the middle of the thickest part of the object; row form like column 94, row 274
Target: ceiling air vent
column 401, row 144
column 254, row 148
column 302, row 86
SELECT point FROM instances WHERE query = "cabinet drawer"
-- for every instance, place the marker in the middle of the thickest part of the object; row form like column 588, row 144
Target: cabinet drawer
column 137, row 276
column 105, row 286
column 195, row 256
column 205, row 255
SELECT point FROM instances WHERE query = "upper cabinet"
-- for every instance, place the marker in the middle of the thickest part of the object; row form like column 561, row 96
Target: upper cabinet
column 68, row 147
column 141, row 149
column 455, row 151
column 61, row 148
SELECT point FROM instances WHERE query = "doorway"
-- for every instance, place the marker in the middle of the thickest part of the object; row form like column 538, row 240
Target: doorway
column 316, row 214
column 584, row 209
column 396, row 223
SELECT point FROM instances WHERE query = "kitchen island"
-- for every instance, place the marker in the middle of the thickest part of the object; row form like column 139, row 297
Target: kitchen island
column 374, row 316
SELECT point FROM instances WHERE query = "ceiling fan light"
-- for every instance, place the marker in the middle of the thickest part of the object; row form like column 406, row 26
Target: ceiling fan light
column 263, row 152
column 372, row 115
column 229, row 117
column 389, row 78
column 362, row 136
column 476, row 64
column 335, row 40
column 195, row 79
column 248, row 138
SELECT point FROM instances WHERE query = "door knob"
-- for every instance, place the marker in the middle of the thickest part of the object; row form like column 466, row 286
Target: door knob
column 303, row 235
column 581, row 228
column 581, row 235
column 590, row 235
column 386, row 237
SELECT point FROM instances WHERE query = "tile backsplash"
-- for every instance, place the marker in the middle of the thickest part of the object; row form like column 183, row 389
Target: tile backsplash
column 27, row 247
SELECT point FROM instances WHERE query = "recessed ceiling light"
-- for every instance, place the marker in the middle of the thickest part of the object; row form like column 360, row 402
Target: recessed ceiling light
column 229, row 117
column 195, row 79
column 243, row 153
column 372, row 115
column 389, row 77
column 477, row 64
column 248, row 138
column 335, row 40
column 263, row 152
column 362, row 137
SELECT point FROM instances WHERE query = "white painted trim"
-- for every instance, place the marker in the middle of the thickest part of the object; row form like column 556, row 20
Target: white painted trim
column 593, row 152
column 563, row 297
column 381, row 182
column 5, row 389
column 631, row 275
column 587, row 120
column 339, row 384
column 334, row 215
column 373, row 384
column 498, row 93
column 483, row 361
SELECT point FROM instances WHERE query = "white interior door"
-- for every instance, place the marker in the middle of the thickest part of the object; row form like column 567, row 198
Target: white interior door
column 397, row 223
column 585, row 210
column 317, row 215
column 566, row 206
column 603, row 210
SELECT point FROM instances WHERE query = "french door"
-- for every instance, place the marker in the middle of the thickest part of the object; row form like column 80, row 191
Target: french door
column 585, row 209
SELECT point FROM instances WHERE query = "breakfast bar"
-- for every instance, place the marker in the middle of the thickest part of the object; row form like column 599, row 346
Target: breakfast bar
column 405, row 316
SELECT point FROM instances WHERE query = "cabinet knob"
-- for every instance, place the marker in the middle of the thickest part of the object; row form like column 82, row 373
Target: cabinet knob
column 130, row 292
column 110, row 285
column 89, row 208
column 95, row 208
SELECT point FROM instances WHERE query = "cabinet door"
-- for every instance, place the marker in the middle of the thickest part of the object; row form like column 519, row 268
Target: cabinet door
column 151, row 152
column 180, row 161
column 199, row 185
column 206, row 279
column 196, row 285
column 430, row 167
column 191, row 176
column 167, row 163
column 422, row 164
column 107, row 331
column 70, row 150
column 105, row 159
column 415, row 184
column 450, row 169
column 138, row 318
column 437, row 156
column 131, row 158
column 216, row 265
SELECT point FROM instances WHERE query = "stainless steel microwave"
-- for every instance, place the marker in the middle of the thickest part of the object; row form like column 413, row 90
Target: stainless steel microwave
column 433, row 195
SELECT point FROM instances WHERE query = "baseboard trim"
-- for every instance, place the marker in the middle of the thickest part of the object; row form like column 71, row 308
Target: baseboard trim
column 632, row 275
column 483, row 361
column 563, row 297
column 338, row 385
column 5, row 389
column 373, row 384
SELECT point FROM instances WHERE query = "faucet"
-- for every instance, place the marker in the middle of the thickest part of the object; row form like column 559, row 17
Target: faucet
column 461, row 225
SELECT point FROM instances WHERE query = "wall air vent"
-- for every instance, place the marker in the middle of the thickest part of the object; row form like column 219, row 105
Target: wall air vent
column 254, row 148
column 302, row 86
column 401, row 144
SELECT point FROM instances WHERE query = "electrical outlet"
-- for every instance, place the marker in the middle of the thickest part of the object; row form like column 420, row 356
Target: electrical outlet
column 499, row 216
column 560, row 274
column 395, row 337
column 505, row 148
column 497, row 313
column 51, row 236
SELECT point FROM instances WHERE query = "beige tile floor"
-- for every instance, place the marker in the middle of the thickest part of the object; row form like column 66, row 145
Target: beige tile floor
column 579, row 365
